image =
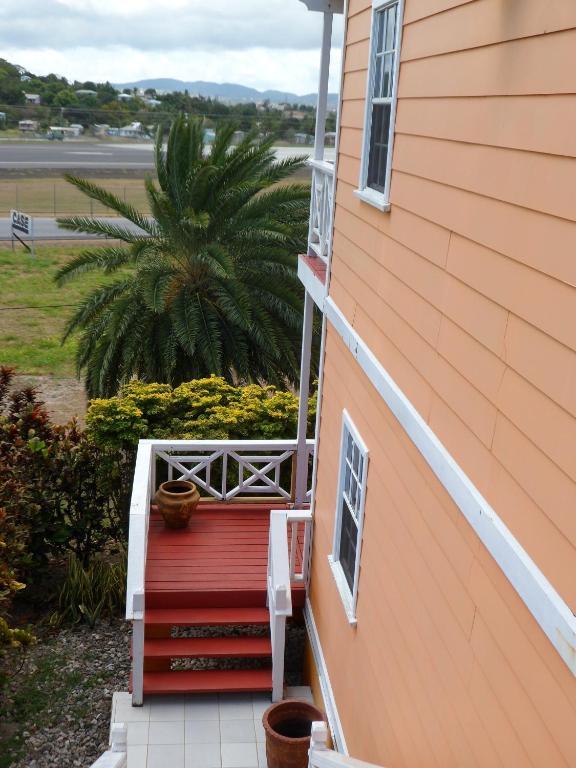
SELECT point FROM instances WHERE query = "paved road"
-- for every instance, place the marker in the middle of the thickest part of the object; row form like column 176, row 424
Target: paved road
column 47, row 229
column 47, row 155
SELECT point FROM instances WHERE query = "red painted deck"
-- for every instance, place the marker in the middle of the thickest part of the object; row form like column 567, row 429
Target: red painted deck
column 219, row 560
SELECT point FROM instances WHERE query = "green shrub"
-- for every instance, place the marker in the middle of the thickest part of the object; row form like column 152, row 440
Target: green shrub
column 202, row 409
column 91, row 592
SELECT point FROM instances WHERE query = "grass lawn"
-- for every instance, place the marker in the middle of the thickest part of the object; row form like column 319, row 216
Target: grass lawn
column 56, row 197
column 30, row 339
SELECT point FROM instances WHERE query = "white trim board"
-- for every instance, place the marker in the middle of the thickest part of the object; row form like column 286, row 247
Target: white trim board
column 324, row 679
column 544, row 603
column 313, row 285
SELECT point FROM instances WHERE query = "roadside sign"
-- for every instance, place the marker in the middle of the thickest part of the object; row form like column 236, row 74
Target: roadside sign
column 22, row 224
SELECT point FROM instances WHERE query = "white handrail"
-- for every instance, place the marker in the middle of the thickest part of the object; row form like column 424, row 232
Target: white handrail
column 279, row 596
column 142, row 492
column 117, row 755
column 295, row 518
column 321, row 204
column 322, row 757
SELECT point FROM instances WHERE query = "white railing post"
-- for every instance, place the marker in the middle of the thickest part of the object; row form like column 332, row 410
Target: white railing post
column 323, row 86
column 302, row 449
column 279, row 596
column 138, row 650
column 318, row 739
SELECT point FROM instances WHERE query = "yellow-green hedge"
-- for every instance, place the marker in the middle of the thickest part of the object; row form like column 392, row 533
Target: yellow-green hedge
column 202, row 409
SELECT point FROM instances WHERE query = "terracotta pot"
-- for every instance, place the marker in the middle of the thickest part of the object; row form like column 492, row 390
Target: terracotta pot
column 176, row 500
column 288, row 725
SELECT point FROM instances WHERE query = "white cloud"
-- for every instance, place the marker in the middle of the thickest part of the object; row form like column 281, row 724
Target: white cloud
column 260, row 43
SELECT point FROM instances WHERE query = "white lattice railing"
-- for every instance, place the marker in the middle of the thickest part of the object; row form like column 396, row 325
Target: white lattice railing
column 221, row 469
column 284, row 550
column 322, row 201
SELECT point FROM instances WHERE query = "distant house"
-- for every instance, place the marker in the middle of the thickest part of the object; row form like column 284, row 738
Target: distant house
column 77, row 128
column 28, row 126
column 238, row 136
column 86, row 92
column 209, row 135
column 100, row 129
column 2, row 117
column 125, row 96
column 303, row 138
column 330, row 139
column 133, row 131
column 152, row 102
column 32, row 98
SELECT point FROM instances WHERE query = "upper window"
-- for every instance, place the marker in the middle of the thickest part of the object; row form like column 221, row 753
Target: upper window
column 349, row 515
column 381, row 102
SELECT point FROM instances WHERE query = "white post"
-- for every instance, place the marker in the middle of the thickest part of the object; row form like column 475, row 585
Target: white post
column 323, row 86
column 138, row 650
column 278, row 648
column 302, row 449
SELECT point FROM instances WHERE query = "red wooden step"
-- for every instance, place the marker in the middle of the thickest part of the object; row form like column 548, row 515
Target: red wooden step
column 208, row 681
column 197, row 617
column 197, row 647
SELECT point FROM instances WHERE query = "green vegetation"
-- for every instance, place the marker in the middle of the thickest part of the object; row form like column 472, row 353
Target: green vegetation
column 200, row 409
column 91, row 591
column 31, row 338
column 211, row 287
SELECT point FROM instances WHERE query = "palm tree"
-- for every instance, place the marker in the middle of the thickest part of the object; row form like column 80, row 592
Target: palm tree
column 205, row 285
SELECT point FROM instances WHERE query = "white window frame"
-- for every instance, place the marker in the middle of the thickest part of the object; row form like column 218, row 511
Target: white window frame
column 349, row 597
column 380, row 200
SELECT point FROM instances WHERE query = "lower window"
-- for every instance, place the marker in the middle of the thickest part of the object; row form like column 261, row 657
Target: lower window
column 345, row 559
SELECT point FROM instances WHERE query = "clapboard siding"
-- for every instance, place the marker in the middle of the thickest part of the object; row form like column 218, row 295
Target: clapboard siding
column 517, row 122
column 437, row 633
column 466, row 292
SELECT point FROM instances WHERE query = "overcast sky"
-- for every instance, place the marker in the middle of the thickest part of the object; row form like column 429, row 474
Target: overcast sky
column 259, row 43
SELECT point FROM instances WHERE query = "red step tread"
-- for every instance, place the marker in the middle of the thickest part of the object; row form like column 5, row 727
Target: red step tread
column 195, row 617
column 198, row 647
column 208, row 681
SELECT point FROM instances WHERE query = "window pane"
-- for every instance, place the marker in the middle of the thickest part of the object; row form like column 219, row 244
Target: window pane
column 390, row 37
column 348, row 541
column 378, row 64
column 347, row 475
column 349, row 446
column 388, row 66
column 379, row 138
column 380, row 30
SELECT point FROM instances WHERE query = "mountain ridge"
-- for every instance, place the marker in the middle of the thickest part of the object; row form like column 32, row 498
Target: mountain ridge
column 232, row 92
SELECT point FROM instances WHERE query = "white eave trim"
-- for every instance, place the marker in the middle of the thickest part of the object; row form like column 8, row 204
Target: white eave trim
column 324, row 6
column 545, row 604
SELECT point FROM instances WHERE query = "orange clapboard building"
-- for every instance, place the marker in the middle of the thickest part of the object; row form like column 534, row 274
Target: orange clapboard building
column 442, row 256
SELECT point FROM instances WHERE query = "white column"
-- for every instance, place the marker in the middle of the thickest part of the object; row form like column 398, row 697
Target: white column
column 301, row 454
column 138, row 650
column 323, row 86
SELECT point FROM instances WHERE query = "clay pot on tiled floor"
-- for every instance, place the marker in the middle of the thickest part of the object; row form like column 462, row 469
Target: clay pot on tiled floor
column 288, row 725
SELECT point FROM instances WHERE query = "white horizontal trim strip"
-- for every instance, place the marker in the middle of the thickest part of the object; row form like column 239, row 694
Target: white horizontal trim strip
column 542, row 600
column 324, row 678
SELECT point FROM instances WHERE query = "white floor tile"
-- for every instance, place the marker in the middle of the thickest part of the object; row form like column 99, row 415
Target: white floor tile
column 202, row 708
column 202, row 731
column 137, row 756
column 202, row 756
column 126, row 713
column 236, row 707
column 260, row 732
column 239, row 756
column 137, row 733
column 237, row 730
column 166, row 733
column 163, row 710
column 262, row 760
column 166, row 756
column 260, row 703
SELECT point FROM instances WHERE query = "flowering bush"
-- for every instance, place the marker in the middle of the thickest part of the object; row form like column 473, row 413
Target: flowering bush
column 202, row 409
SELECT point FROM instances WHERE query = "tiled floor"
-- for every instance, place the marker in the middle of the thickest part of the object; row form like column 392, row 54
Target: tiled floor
column 222, row 731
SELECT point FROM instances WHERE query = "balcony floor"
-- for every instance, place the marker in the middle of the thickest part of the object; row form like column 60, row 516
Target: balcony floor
column 219, row 560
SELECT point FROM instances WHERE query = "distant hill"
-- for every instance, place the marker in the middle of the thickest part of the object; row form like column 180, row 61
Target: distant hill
column 231, row 92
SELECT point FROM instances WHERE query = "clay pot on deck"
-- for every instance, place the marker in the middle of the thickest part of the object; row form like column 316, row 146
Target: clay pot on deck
column 176, row 500
column 288, row 725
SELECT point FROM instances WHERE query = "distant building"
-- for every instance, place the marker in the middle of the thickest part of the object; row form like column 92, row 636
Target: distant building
column 238, row 136
column 133, row 131
column 28, row 126
column 152, row 102
column 209, row 135
column 2, row 117
column 77, row 128
column 86, row 92
column 303, row 138
column 125, row 96
column 32, row 98
column 330, row 139
column 100, row 129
